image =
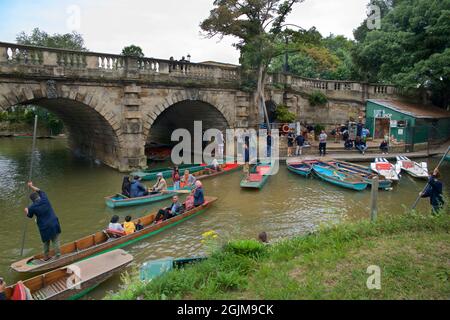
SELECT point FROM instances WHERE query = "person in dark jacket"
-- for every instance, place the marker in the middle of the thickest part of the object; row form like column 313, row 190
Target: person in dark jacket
column 126, row 186
column 269, row 144
column 434, row 192
column 199, row 195
column 46, row 219
column 169, row 212
column 137, row 189
column 300, row 140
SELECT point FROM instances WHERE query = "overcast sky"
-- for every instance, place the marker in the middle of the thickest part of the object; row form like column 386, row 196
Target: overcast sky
column 163, row 28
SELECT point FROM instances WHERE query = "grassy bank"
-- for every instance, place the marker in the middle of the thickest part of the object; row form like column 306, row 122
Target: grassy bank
column 411, row 250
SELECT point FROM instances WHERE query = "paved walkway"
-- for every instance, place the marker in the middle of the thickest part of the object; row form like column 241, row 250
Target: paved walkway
column 368, row 157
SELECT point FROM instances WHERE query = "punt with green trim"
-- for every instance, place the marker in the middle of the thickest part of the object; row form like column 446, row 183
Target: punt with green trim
column 104, row 241
column 71, row 282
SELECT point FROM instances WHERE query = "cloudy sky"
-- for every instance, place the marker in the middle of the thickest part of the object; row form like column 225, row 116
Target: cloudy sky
column 163, row 28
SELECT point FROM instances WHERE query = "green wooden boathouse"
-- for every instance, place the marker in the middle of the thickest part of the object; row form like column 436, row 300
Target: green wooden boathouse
column 406, row 122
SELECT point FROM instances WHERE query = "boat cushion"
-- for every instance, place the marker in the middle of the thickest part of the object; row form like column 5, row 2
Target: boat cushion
column 20, row 292
column 254, row 177
column 263, row 169
column 408, row 165
column 384, row 166
column 115, row 233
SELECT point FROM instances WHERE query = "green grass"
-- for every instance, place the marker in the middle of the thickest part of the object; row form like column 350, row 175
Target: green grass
column 412, row 251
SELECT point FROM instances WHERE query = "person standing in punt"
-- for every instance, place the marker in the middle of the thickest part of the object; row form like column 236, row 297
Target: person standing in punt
column 434, row 192
column 46, row 220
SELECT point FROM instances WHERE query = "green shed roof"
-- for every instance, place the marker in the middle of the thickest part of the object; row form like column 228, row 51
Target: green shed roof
column 413, row 110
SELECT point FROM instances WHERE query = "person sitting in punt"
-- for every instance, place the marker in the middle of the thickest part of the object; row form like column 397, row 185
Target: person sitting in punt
column 114, row 224
column 176, row 178
column 187, row 179
column 199, row 195
column 137, row 189
column 160, row 185
column 129, row 226
column 189, row 203
column 139, row 225
column 169, row 212
column 384, row 147
column 126, row 187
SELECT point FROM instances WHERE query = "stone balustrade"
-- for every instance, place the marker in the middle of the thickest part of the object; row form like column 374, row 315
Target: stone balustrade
column 85, row 63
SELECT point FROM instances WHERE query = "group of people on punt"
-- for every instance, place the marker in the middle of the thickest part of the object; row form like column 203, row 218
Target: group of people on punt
column 136, row 189
column 195, row 199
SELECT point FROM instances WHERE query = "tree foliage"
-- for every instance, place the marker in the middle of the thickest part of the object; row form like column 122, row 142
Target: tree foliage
column 257, row 24
column 70, row 41
column 133, row 51
column 411, row 49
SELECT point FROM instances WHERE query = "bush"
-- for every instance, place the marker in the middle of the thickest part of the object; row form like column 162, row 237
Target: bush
column 317, row 98
column 284, row 115
column 251, row 248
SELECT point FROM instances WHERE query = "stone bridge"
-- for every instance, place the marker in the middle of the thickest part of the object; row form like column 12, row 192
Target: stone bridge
column 113, row 105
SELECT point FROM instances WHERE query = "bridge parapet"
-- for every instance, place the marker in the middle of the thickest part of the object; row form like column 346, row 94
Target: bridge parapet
column 41, row 61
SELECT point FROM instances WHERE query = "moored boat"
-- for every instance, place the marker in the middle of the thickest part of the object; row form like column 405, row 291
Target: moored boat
column 104, row 241
column 334, row 176
column 413, row 168
column 303, row 168
column 155, row 268
column 259, row 174
column 151, row 174
column 120, row 201
column 210, row 173
column 71, row 282
column 386, row 169
column 362, row 171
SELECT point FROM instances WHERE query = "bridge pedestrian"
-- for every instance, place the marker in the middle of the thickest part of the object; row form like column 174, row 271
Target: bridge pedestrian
column 46, row 220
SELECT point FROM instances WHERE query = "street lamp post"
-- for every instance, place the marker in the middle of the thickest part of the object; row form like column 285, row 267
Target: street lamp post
column 286, row 54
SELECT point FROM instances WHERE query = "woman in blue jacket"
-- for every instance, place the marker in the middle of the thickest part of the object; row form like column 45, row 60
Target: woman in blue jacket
column 199, row 195
column 46, row 219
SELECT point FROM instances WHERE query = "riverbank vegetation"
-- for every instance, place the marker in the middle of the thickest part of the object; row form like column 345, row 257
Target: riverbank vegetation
column 411, row 251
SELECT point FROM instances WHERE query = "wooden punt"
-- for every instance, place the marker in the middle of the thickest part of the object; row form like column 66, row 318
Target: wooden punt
column 148, row 175
column 155, row 268
column 76, row 280
column 362, row 171
column 120, row 201
column 302, row 168
column 102, row 241
column 259, row 174
column 332, row 175
column 210, row 173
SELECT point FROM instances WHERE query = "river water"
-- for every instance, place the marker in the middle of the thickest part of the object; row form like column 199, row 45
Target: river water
column 288, row 205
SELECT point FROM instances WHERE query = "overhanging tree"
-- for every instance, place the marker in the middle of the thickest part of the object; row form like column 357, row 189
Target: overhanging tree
column 258, row 25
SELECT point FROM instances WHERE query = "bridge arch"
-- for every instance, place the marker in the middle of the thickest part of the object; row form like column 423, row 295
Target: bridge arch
column 181, row 112
column 94, row 131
